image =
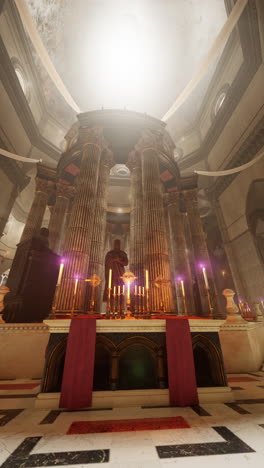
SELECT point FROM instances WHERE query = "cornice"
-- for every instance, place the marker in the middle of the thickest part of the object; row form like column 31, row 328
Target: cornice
column 13, row 170
column 23, row 328
column 249, row 148
column 242, row 326
column 138, row 326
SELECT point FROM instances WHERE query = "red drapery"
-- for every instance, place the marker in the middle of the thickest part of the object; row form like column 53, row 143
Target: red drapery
column 77, row 381
column 181, row 371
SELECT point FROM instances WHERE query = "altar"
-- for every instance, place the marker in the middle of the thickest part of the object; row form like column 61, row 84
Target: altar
column 120, row 349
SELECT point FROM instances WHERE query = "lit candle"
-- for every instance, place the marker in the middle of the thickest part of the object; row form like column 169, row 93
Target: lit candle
column 75, row 286
column 182, row 288
column 114, row 290
column 110, row 279
column 118, row 289
column 205, row 278
column 60, row 274
column 147, row 279
column 135, row 290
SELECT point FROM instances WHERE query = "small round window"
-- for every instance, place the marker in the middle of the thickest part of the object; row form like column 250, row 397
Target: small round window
column 220, row 100
column 21, row 77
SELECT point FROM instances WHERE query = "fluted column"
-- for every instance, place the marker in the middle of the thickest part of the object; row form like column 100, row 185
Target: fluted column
column 37, row 210
column 156, row 246
column 180, row 260
column 58, row 213
column 79, row 233
column 96, row 258
column 136, row 260
column 200, row 252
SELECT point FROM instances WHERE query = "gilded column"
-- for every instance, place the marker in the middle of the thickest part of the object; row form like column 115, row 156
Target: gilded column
column 155, row 241
column 96, row 258
column 58, row 213
column 37, row 210
column 180, row 258
column 200, row 253
column 136, row 259
column 79, row 234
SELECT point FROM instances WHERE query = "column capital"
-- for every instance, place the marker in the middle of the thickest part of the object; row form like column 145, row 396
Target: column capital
column 173, row 198
column 149, row 140
column 133, row 160
column 92, row 136
column 190, row 195
column 65, row 191
column 44, row 185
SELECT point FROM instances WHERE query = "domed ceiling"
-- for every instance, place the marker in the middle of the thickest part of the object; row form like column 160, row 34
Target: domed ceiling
column 119, row 53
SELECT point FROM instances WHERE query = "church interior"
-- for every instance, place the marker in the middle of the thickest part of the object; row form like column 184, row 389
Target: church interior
column 131, row 233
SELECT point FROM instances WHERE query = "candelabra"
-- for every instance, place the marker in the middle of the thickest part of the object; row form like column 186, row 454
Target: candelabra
column 94, row 281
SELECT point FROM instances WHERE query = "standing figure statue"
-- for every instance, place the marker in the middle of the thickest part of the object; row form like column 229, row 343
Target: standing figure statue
column 116, row 260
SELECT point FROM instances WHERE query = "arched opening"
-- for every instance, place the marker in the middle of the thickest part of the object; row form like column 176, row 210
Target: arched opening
column 202, row 366
column 102, row 368
column 54, row 368
column 137, row 368
column 208, row 363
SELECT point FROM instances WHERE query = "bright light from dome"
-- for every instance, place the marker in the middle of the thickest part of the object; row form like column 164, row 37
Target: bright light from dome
column 124, row 57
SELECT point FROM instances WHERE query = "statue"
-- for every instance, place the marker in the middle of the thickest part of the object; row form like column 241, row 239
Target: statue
column 116, row 260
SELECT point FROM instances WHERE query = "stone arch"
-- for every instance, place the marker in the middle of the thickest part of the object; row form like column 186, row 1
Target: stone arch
column 54, row 368
column 208, row 362
column 138, row 363
column 104, row 364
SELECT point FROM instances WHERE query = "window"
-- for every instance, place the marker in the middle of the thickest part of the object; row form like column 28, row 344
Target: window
column 21, row 76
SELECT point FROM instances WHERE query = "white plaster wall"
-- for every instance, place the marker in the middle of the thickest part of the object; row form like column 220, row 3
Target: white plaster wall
column 243, row 350
column 22, row 350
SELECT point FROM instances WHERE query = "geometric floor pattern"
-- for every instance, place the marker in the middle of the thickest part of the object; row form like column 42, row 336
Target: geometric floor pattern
column 206, row 435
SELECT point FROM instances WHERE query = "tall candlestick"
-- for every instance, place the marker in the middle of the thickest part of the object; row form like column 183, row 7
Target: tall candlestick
column 75, row 286
column 143, row 291
column 118, row 290
column 60, row 274
column 139, row 290
column 128, row 289
column 147, row 279
column 182, row 288
column 110, row 279
column 123, row 289
column 114, row 290
column 135, row 290
column 205, row 278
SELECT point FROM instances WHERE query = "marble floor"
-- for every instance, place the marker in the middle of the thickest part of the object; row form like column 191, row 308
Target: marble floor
column 217, row 435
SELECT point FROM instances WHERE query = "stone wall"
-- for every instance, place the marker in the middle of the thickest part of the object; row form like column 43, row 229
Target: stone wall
column 22, row 350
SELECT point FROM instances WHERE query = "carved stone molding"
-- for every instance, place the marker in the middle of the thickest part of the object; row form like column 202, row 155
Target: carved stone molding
column 92, row 136
column 23, row 328
column 150, row 140
column 65, row 191
column 246, row 153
